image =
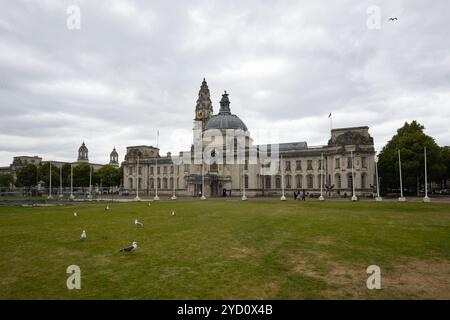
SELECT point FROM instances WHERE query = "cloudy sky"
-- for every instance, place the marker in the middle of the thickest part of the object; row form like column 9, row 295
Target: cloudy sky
column 135, row 66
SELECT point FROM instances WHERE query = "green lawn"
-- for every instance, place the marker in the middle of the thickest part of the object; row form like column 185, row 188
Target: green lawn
column 227, row 250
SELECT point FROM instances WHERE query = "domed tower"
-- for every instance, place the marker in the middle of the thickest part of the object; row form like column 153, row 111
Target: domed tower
column 203, row 109
column 225, row 119
column 114, row 158
column 83, row 153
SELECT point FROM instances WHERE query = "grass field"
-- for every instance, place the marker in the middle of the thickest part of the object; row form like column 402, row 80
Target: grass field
column 227, row 250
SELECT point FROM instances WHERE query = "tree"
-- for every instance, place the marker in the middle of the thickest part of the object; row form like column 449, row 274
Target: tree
column 66, row 175
column 81, row 175
column 109, row 176
column 6, row 180
column 446, row 160
column 44, row 174
column 410, row 140
column 27, row 176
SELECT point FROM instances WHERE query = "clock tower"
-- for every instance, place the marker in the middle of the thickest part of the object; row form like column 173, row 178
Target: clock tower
column 203, row 109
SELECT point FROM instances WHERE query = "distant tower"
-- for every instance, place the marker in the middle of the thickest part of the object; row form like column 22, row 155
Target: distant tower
column 83, row 153
column 203, row 109
column 114, row 158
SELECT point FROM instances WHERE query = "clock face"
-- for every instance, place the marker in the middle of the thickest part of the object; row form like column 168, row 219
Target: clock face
column 200, row 114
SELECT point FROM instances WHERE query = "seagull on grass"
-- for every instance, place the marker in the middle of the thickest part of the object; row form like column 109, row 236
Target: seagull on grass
column 75, row 214
column 83, row 235
column 107, row 208
column 138, row 224
column 149, row 204
column 131, row 248
column 173, row 214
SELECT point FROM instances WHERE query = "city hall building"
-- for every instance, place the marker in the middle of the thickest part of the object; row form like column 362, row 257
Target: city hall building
column 223, row 161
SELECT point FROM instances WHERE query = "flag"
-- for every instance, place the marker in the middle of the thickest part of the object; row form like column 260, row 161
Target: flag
column 329, row 115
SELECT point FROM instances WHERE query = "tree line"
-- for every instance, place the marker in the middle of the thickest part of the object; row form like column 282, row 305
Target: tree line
column 30, row 175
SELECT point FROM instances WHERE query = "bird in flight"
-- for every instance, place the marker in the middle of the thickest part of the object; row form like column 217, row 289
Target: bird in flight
column 138, row 224
column 131, row 248
column 393, row 19
column 83, row 235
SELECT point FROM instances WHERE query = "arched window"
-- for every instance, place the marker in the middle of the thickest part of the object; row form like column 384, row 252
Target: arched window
column 268, row 182
column 287, row 182
column 338, row 181
column 310, row 181
column 298, row 181
column 349, row 181
column 278, row 182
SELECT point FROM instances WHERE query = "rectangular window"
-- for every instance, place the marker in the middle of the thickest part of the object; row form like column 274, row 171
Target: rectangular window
column 298, row 165
column 338, row 163
column 171, row 169
column 349, row 162
column 364, row 162
column 151, row 170
column 165, row 169
column 319, row 164
column 309, row 165
column 158, row 170
column 186, row 168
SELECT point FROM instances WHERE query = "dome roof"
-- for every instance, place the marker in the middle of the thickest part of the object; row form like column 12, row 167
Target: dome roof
column 225, row 119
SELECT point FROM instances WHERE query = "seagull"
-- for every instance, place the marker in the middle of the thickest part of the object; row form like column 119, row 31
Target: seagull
column 137, row 223
column 107, row 207
column 392, row 19
column 75, row 214
column 131, row 248
column 83, row 235
column 173, row 213
column 149, row 204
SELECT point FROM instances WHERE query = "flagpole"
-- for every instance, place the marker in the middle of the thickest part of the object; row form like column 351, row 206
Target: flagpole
column 402, row 198
column 174, row 197
column 90, row 183
column 321, row 179
column 354, row 197
column 283, row 197
column 378, row 198
column 71, row 183
column 50, row 182
column 203, row 171
column 60, row 182
column 244, row 197
column 156, row 198
column 426, row 198
column 137, row 182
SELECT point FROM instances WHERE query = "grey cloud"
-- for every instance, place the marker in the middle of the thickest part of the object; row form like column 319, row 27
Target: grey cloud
column 136, row 66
